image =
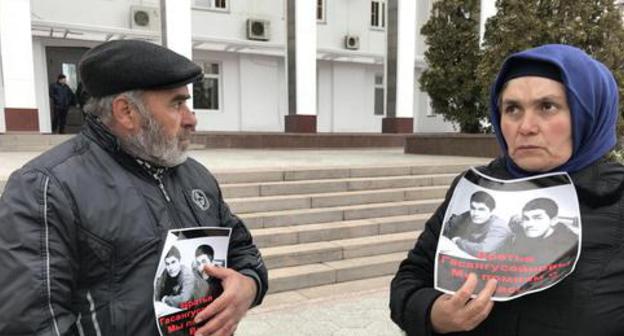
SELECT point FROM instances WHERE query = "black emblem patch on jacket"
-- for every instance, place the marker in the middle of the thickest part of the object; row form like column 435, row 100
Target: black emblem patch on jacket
column 200, row 199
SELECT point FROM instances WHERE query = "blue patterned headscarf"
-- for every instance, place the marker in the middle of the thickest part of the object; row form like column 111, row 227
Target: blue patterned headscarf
column 592, row 95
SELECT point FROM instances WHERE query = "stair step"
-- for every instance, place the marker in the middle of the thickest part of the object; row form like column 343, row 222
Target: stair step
column 301, row 254
column 334, row 172
column 323, row 215
column 296, row 277
column 309, row 233
column 333, row 185
column 291, row 202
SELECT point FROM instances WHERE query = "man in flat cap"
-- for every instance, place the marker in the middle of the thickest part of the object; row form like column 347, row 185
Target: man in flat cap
column 83, row 225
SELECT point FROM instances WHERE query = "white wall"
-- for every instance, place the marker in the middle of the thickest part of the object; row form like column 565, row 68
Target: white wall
column 423, row 120
column 233, row 23
column 107, row 13
column 262, row 95
column 423, row 11
column 227, row 118
column 325, row 96
column 353, row 96
column 253, row 93
column 2, row 123
column 350, row 18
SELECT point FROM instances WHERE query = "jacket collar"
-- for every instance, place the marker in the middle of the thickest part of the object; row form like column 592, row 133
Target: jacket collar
column 97, row 132
column 599, row 184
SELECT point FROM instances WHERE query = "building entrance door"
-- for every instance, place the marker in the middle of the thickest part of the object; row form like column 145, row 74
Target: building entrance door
column 65, row 60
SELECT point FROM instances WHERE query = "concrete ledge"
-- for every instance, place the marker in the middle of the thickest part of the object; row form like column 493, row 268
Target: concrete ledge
column 293, row 140
column 460, row 144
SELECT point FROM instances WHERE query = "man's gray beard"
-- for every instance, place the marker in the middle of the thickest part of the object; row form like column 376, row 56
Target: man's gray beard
column 152, row 144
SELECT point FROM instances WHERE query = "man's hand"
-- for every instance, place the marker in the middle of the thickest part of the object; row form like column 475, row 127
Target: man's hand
column 457, row 312
column 228, row 309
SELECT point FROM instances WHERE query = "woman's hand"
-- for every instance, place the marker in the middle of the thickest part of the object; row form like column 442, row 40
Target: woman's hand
column 457, row 312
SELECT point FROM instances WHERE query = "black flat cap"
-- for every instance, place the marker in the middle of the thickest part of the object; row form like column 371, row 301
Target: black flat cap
column 123, row 65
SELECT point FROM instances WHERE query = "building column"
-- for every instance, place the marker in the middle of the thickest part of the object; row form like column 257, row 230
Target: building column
column 400, row 60
column 175, row 19
column 488, row 9
column 301, row 66
column 18, row 75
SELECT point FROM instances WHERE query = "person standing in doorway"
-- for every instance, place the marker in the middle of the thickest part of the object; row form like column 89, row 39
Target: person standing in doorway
column 61, row 98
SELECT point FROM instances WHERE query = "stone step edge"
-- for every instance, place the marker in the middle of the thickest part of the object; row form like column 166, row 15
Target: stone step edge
column 297, row 277
column 310, row 233
column 337, row 180
column 334, row 171
column 334, row 194
column 339, row 208
column 337, row 243
column 340, row 249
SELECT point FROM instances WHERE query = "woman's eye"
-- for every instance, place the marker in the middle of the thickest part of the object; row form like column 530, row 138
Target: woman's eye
column 549, row 107
column 511, row 109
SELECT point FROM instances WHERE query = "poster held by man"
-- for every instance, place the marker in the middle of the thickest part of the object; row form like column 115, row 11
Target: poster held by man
column 182, row 288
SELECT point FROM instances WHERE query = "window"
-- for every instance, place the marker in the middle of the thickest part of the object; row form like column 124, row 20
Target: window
column 429, row 108
column 69, row 70
column 206, row 91
column 379, row 95
column 220, row 5
column 378, row 14
column 320, row 10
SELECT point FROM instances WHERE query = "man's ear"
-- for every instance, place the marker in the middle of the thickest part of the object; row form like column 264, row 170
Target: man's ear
column 554, row 221
column 125, row 116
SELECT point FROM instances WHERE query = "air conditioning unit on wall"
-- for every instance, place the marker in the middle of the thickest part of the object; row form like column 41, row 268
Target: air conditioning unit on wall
column 352, row 42
column 258, row 29
column 143, row 17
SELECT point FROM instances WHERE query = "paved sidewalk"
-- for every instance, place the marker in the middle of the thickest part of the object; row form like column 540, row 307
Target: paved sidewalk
column 253, row 159
column 354, row 313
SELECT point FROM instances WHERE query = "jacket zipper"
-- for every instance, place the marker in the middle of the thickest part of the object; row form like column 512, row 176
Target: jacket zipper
column 175, row 217
column 161, row 185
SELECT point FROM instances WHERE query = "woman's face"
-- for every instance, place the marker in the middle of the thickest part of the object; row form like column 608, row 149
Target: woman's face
column 536, row 123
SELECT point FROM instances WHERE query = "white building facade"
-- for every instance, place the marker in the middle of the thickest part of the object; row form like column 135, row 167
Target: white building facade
column 330, row 57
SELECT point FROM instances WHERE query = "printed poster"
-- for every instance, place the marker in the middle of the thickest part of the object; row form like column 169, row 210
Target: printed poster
column 526, row 233
column 181, row 287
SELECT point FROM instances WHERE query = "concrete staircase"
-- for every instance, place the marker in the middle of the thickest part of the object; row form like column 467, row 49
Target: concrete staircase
column 324, row 226
column 319, row 227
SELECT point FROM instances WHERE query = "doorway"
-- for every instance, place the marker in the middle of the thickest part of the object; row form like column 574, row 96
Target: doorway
column 65, row 60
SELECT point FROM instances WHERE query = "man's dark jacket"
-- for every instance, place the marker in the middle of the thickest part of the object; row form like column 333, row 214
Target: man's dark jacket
column 81, row 230
column 588, row 302
column 62, row 96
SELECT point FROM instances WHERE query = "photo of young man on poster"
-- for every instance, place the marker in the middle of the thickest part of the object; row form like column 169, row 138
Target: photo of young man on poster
column 176, row 283
column 540, row 233
column 478, row 230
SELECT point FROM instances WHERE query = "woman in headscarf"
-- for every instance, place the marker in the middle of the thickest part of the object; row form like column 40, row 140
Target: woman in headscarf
column 553, row 109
